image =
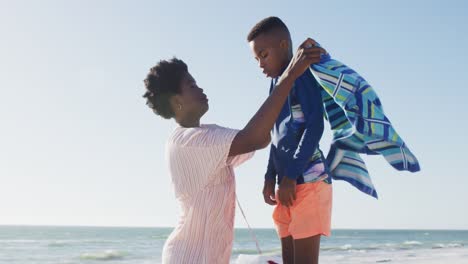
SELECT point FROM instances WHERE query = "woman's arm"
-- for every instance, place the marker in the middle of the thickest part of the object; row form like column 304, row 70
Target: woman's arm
column 256, row 134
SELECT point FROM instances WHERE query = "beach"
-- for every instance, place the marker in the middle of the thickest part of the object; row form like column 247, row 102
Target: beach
column 70, row 245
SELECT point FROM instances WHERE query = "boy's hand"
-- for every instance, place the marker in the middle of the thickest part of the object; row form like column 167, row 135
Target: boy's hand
column 269, row 192
column 306, row 54
column 287, row 191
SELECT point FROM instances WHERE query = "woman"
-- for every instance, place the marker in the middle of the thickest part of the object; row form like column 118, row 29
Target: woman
column 201, row 157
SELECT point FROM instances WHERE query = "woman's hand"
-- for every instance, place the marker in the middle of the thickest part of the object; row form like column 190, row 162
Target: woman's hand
column 306, row 54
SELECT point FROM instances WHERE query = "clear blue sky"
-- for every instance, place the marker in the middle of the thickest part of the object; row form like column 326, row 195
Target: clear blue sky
column 78, row 146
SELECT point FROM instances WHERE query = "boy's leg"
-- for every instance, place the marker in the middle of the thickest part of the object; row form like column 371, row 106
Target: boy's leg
column 310, row 218
column 306, row 250
column 287, row 249
column 282, row 219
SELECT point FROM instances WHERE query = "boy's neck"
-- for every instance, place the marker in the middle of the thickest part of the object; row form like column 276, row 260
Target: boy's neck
column 286, row 63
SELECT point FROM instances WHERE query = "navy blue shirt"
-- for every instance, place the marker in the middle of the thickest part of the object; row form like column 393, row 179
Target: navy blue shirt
column 294, row 151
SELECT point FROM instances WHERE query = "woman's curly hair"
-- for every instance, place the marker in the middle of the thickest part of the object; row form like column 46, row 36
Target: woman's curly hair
column 162, row 82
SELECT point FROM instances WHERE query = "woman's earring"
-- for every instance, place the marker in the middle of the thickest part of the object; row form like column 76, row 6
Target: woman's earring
column 180, row 107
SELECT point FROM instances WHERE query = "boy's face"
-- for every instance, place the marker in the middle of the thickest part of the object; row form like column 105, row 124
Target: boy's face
column 271, row 53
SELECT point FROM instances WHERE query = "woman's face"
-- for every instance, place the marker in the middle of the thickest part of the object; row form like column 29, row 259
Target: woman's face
column 191, row 102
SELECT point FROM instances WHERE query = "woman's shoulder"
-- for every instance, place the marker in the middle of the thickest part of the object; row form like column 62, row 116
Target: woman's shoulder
column 204, row 136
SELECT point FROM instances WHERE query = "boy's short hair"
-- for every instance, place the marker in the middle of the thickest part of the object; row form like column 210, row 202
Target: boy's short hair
column 267, row 25
column 162, row 82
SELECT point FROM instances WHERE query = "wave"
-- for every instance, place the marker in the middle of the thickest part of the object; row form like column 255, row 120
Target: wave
column 19, row 241
column 160, row 237
column 406, row 245
column 58, row 244
column 357, row 251
column 449, row 245
column 412, row 243
column 384, row 261
column 346, row 247
column 106, row 255
column 354, row 249
column 364, row 248
column 254, row 251
column 71, row 242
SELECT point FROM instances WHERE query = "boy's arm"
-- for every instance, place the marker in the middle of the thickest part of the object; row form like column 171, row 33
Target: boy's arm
column 311, row 105
column 271, row 173
column 270, row 180
column 271, row 170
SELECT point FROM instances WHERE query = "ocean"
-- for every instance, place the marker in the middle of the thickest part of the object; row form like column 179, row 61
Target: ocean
column 122, row 245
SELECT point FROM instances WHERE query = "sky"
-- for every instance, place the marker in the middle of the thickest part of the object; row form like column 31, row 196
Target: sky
column 78, row 145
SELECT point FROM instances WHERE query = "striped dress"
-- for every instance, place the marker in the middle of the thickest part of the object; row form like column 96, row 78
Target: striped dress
column 203, row 180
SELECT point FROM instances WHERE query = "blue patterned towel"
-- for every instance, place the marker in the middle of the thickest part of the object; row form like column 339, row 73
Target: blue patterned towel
column 359, row 126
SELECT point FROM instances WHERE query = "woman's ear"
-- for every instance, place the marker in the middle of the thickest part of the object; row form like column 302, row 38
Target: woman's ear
column 176, row 103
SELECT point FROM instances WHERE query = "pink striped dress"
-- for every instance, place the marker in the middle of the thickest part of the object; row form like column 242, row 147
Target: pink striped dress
column 203, row 179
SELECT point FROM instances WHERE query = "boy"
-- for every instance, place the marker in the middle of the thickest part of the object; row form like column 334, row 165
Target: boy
column 303, row 203
column 356, row 116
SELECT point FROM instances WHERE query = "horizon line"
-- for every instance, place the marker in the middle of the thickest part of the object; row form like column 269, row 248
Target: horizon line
column 272, row 228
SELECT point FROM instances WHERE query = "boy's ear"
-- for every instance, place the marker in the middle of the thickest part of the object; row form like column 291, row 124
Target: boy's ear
column 284, row 44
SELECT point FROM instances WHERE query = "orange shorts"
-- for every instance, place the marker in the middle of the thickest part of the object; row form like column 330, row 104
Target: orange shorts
column 310, row 213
